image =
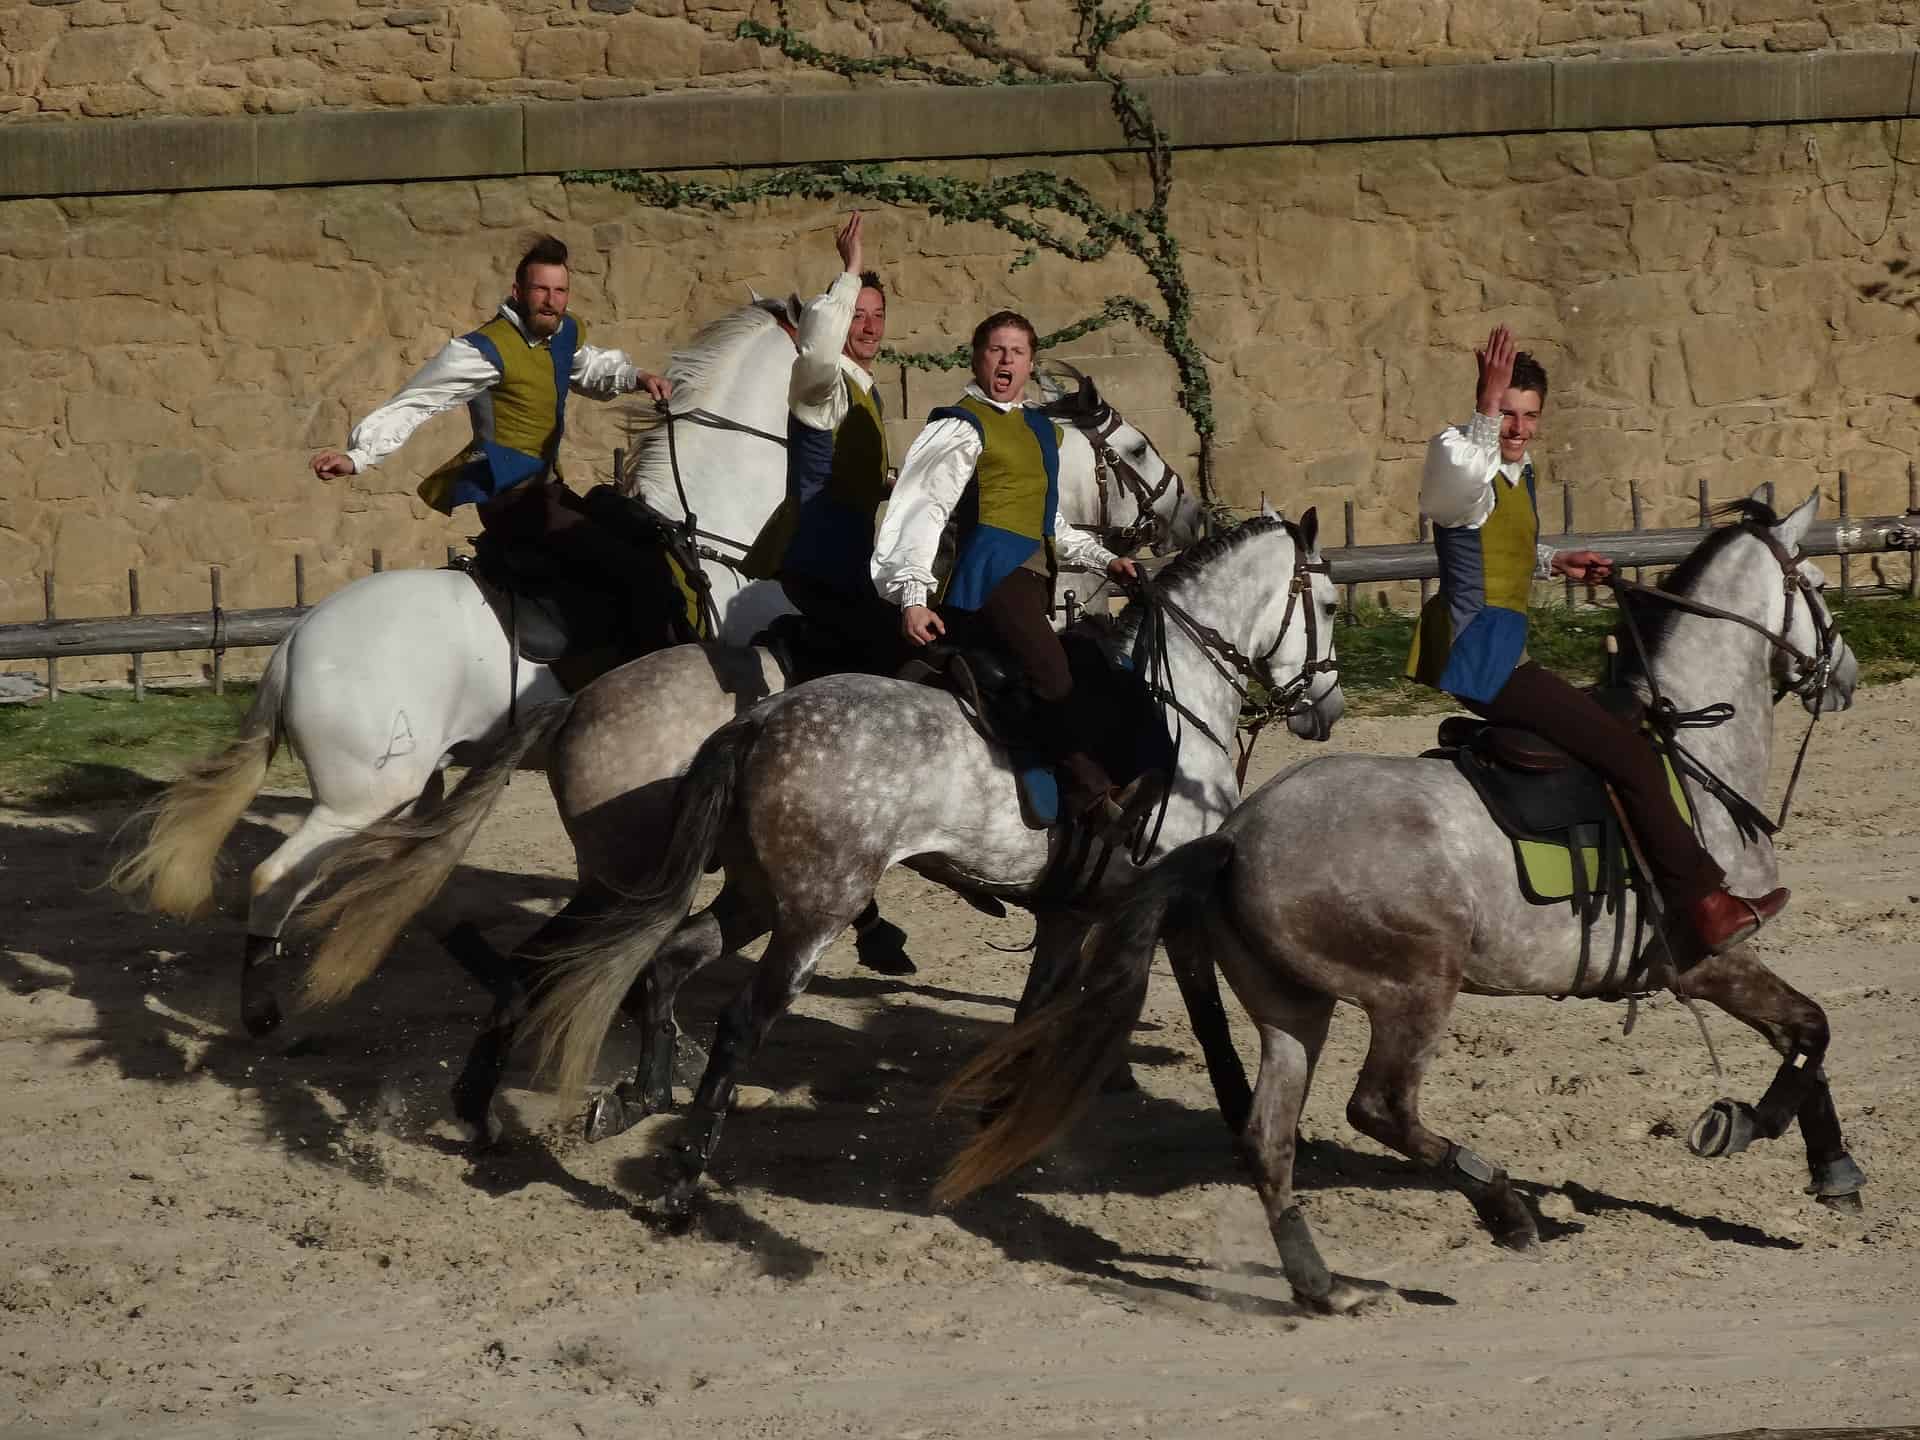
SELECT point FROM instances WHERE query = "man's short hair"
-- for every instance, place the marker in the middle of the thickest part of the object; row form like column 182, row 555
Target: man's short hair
column 1529, row 374
column 546, row 250
column 1003, row 320
column 870, row 280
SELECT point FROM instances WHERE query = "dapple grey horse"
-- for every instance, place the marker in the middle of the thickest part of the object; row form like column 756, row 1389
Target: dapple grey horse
column 809, row 798
column 1383, row 882
column 629, row 736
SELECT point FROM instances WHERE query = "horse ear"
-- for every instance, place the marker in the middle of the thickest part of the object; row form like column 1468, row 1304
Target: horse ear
column 1310, row 529
column 754, row 297
column 1088, row 394
column 794, row 307
column 1793, row 530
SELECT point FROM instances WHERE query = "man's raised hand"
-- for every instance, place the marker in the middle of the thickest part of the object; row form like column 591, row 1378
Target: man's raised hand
column 1496, row 370
column 847, row 241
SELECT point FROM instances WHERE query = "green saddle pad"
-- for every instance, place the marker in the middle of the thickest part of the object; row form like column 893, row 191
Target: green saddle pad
column 1546, row 868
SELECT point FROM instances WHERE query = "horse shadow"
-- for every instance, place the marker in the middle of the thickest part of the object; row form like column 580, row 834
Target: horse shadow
column 161, row 998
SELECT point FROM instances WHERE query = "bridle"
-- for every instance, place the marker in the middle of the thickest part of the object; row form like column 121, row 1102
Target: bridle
column 1811, row 679
column 1284, row 699
column 1148, row 525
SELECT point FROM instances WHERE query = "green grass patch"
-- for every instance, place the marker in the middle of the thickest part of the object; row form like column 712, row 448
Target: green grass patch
column 100, row 746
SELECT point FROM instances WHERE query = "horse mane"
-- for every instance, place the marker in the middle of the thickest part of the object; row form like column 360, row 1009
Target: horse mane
column 1196, row 558
column 698, row 369
column 1656, row 621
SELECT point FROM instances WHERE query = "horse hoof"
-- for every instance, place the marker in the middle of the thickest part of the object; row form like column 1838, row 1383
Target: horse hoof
column 1344, row 1297
column 1852, row 1206
column 1838, row 1179
column 1120, row 1081
column 1522, row 1240
column 259, row 1013
column 1724, row 1128
column 882, row 948
column 610, row 1115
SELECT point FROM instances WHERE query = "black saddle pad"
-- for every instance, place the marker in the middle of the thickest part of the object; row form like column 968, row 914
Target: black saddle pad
column 805, row 649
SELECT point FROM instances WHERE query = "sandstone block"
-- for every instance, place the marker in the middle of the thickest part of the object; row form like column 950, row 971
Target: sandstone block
column 1505, row 27
column 238, row 419
column 1330, row 259
column 1620, row 153
column 32, row 228
column 1670, row 235
column 1731, row 361
column 91, row 549
column 1407, row 24
column 125, row 420
column 642, row 47
column 76, row 473
column 1889, row 366
column 101, row 56
column 1719, row 143
column 566, row 54
column 170, row 374
column 31, row 405
column 449, row 209
column 169, row 473
column 119, row 320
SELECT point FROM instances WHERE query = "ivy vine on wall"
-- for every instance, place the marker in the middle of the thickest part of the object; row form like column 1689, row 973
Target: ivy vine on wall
column 1040, row 209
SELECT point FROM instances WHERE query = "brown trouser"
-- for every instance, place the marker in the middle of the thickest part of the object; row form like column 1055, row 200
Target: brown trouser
column 1017, row 609
column 1016, row 613
column 1539, row 700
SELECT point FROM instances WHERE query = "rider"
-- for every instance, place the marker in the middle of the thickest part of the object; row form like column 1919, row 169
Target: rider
column 820, row 541
column 992, row 463
column 513, row 373
column 1472, row 637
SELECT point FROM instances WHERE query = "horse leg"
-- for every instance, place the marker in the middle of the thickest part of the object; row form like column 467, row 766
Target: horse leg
column 278, row 885
column 880, row 944
column 733, row 920
column 1796, row 1027
column 1291, row 1035
column 1385, row 1106
column 1193, row 968
column 782, row 977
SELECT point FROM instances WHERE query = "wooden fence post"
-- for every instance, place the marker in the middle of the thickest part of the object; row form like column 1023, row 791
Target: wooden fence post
column 1846, row 561
column 1706, row 510
column 1426, row 586
column 1348, row 506
column 1566, row 528
column 139, row 660
column 379, row 562
column 1913, row 506
column 1633, row 499
column 219, row 649
column 53, row 665
column 299, row 581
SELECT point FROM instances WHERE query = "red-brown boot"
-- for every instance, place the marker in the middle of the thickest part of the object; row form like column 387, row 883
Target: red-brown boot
column 1722, row 919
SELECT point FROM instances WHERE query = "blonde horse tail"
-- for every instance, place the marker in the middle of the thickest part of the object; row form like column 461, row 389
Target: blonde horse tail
column 1042, row 1072
column 189, row 822
column 388, row 873
column 580, row 996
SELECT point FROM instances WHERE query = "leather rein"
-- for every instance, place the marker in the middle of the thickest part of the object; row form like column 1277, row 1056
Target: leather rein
column 1811, row 680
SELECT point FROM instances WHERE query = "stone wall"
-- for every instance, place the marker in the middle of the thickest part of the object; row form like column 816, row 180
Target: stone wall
column 167, row 364
column 77, row 58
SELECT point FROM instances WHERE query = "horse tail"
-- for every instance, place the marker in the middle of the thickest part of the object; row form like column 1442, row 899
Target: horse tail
column 581, row 992
column 393, row 869
column 1048, row 1066
column 186, row 825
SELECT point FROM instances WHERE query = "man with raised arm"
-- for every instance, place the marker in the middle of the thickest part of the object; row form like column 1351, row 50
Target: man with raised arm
column 1478, row 490
column 820, row 541
column 514, row 374
column 992, row 464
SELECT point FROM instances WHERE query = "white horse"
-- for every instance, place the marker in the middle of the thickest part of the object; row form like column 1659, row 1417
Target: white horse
column 382, row 683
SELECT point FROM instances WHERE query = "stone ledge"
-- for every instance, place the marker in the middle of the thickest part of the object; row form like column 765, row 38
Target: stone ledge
column 1732, row 90
column 1341, row 103
column 680, row 131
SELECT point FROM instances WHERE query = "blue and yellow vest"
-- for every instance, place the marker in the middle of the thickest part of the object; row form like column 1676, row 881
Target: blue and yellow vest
column 1005, row 516
column 517, row 424
column 836, row 484
column 1473, row 634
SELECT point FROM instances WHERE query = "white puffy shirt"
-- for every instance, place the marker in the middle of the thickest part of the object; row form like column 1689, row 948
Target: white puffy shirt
column 458, row 373
column 933, row 477
column 1456, row 488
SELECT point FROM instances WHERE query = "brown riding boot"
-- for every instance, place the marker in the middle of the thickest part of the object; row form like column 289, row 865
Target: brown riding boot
column 1084, row 796
column 1722, row 919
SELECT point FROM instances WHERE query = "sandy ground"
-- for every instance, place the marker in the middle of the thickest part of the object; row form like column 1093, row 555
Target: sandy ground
column 207, row 1238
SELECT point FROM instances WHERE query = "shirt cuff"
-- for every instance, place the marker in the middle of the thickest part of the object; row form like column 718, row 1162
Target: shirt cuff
column 362, row 461
column 912, row 592
column 1484, row 431
column 1543, row 561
